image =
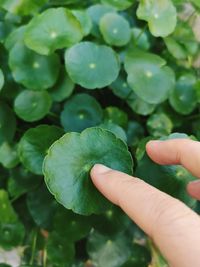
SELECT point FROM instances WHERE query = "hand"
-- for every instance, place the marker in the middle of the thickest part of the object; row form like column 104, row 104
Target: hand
column 171, row 224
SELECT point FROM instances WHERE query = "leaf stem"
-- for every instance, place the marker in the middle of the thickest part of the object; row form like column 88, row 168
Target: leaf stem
column 33, row 247
column 140, row 34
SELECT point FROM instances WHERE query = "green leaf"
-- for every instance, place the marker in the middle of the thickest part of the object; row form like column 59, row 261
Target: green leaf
column 7, row 131
column 22, row 7
column 118, row 4
column 11, row 235
column 108, row 251
column 1, row 79
column 27, row 67
column 139, row 106
column 69, row 180
column 92, row 66
column 159, row 124
column 96, row 12
column 8, row 155
column 34, row 145
column 161, row 16
column 80, row 112
column 63, row 88
column 21, row 181
column 83, row 17
column 53, row 29
column 184, row 98
column 115, row 29
column 60, row 251
column 42, row 207
column 135, row 132
column 32, row 105
column 74, row 226
column 115, row 115
column 146, row 73
column 7, row 213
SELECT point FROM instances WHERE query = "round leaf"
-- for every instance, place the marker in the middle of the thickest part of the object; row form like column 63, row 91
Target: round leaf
column 159, row 125
column 34, row 71
column 69, row 180
column 34, row 145
column 80, row 112
column 116, row 115
column 53, row 29
column 161, row 16
column 146, row 74
column 31, row 105
column 184, row 98
column 91, row 65
column 115, row 29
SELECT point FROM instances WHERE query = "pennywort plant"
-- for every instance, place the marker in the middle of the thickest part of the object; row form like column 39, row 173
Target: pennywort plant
column 85, row 82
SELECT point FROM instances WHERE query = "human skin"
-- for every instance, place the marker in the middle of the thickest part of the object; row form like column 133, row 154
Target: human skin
column 173, row 226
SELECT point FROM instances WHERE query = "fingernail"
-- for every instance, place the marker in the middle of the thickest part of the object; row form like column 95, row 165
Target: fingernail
column 100, row 169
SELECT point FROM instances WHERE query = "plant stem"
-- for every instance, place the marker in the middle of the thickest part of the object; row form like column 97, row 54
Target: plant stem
column 33, row 247
column 44, row 258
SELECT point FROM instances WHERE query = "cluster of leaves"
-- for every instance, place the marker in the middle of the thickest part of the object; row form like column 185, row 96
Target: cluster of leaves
column 85, row 82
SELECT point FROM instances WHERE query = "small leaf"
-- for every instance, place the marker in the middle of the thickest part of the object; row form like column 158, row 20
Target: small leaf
column 159, row 124
column 80, row 112
column 34, row 145
column 115, row 29
column 53, row 29
column 184, row 98
column 31, row 105
column 92, row 66
column 161, row 16
column 69, row 180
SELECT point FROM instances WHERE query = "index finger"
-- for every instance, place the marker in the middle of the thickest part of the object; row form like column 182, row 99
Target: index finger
column 184, row 152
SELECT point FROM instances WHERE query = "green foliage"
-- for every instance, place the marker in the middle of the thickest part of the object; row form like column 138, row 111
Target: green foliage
column 86, row 82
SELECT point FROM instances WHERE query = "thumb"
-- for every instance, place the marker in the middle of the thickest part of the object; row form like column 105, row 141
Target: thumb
column 172, row 225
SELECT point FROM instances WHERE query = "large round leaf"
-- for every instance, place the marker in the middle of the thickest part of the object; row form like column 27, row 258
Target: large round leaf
column 184, row 97
column 118, row 4
column 69, row 161
column 34, row 71
column 34, row 145
column 161, row 16
column 80, row 112
column 53, row 29
column 7, row 130
column 91, row 65
column 31, row 105
column 148, row 76
column 1, row 79
column 115, row 29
